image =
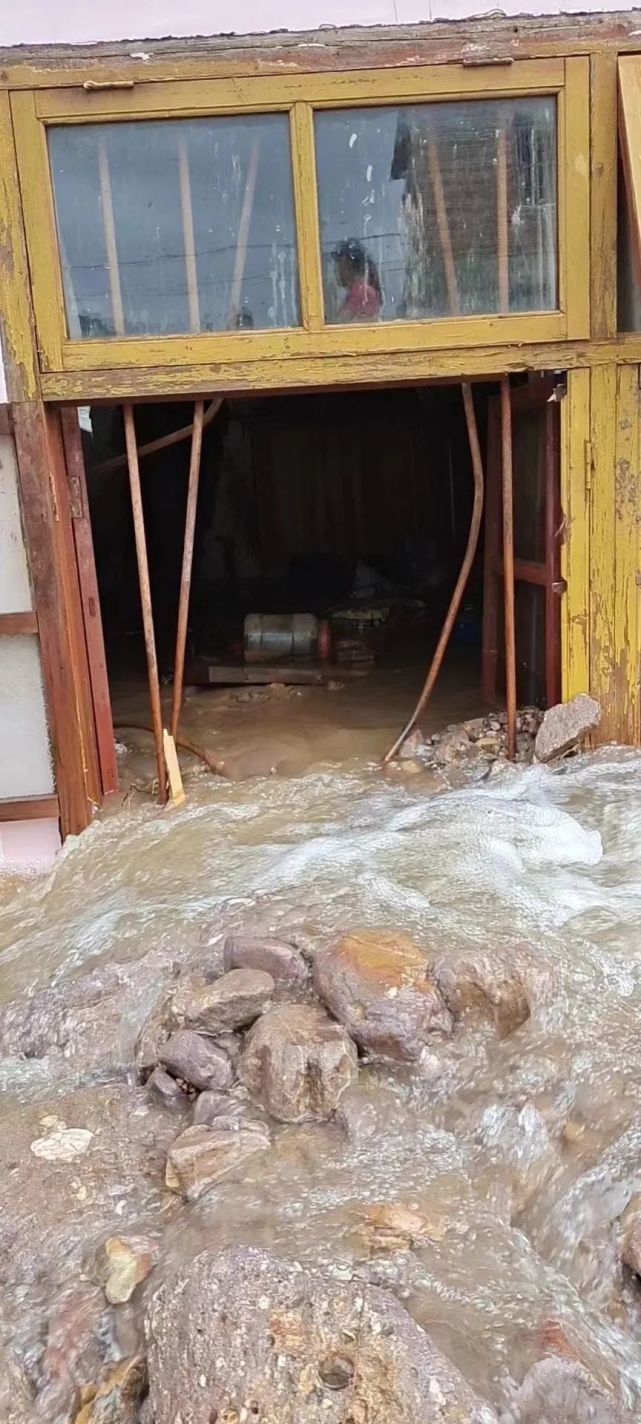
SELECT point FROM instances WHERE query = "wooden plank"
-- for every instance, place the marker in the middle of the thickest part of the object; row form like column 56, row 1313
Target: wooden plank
column 307, row 219
column 6, row 419
column 630, row 141
column 261, row 93
column 575, row 548
column 16, row 324
column 45, row 282
column 603, row 646
column 574, row 197
column 175, row 781
column 52, row 564
column 12, row 624
column 29, row 808
column 486, row 40
column 603, row 194
column 90, row 598
column 627, row 592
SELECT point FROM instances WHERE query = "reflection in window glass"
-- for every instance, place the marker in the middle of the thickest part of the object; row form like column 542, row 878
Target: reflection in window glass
column 203, row 222
column 385, row 236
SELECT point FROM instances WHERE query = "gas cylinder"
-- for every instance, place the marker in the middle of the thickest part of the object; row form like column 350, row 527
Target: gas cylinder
column 278, row 637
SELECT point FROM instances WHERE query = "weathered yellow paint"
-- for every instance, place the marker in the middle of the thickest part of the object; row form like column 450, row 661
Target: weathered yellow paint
column 575, row 551
column 40, row 228
column 627, row 507
column 603, row 652
column 16, row 324
column 603, row 197
column 301, row 94
column 574, row 196
column 281, row 91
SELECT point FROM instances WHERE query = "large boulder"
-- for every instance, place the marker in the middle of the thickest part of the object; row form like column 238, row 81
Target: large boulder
column 557, row 1391
column 206, row 1152
column 566, row 725
column 503, row 984
column 280, row 1344
column 297, row 1063
column 378, row 984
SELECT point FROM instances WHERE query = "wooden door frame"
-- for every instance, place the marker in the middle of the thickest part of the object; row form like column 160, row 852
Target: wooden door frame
column 536, row 395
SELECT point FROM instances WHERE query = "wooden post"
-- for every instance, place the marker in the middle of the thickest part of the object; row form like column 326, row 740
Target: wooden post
column 508, row 565
column 188, row 555
column 145, row 599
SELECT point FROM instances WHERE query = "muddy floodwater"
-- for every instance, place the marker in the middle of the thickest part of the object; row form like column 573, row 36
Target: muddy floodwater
column 522, row 1151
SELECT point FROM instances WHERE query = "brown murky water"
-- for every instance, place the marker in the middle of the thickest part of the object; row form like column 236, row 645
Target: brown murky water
column 524, row 1151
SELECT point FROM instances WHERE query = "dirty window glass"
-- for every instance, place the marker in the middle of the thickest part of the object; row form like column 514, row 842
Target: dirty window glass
column 174, row 226
column 438, row 208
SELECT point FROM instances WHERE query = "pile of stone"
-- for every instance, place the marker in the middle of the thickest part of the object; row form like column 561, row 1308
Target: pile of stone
column 272, row 1038
column 540, row 736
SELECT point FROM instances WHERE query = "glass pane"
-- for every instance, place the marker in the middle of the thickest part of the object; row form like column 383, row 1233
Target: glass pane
column 409, row 209
column 201, row 213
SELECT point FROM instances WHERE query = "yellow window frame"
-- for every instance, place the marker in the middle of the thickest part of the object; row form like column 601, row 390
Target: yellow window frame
column 299, row 96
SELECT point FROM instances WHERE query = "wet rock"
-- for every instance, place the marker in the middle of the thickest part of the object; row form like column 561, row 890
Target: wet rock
column 412, row 746
column 212, row 1006
column 297, row 1063
column 74, row 1346
column 377, row 983
column 197, row 1061
column 166, row 1090
column 284, row 1345
column 51, row 1206
column 128, row 1261
column 557, row 1391
column 566, row 726
column 16, row 1398
column 88, row 1025
column 118, row 1396
column 504, row 984
column 274, row 956
column 631, row 1243
column 203, row 1154
column 209, row 1106
column 356, row 1115
column 395, row 1226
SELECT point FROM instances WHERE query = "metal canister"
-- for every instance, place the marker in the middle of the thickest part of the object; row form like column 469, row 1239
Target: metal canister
column 277, row 637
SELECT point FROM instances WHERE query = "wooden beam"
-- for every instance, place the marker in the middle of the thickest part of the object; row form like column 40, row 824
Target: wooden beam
column 45, row 507
column 29, row 808
column 90, row 597
column 13, row 624
column 16, row 319
column 603, row 195
column 6, row 420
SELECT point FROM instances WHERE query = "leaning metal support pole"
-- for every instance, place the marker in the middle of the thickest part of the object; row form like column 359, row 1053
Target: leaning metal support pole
column 188, row 556
column 145, row 598
column 475, row 454
column 508, row 565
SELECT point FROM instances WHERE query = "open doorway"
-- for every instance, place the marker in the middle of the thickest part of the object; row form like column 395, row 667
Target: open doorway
column 330, row 531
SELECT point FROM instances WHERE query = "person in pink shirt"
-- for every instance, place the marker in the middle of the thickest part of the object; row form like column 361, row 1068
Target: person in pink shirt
column 357, row 273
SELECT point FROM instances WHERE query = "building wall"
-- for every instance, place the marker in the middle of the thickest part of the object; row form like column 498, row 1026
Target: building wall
column 76, row 22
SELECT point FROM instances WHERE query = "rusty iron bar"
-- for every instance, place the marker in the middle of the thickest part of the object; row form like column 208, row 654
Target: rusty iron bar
column 508, row 565
column 188, row 556
column 475, row 455
column 145, row 599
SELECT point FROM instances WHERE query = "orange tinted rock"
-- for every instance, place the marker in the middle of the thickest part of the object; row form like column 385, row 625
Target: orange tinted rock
column 377, row 983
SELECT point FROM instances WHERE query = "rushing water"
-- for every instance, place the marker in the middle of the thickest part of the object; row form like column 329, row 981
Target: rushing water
column 524, row 1150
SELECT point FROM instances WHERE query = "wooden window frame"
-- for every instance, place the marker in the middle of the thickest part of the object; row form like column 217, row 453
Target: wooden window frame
column 299, row 96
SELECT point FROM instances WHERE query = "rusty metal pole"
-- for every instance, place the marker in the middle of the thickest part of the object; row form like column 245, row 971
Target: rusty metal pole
column 188, row 555
column 508, row 566
column 145, row 598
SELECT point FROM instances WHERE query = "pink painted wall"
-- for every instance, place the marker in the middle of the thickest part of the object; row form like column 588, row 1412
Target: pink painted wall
column 82, row 22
